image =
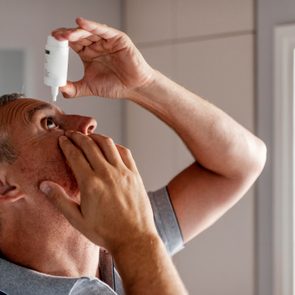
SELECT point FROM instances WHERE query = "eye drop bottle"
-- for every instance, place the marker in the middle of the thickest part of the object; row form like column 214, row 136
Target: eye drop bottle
column 56, row 64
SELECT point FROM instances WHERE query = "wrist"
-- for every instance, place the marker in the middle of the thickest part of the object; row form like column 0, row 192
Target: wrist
column 160, row 274
column 146, row 88
column 136, row 245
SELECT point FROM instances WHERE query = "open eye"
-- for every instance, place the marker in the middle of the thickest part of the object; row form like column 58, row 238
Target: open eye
column 49, row 123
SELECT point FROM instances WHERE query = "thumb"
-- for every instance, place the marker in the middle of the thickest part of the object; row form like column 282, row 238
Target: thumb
column 74, row 89
column 57, row 195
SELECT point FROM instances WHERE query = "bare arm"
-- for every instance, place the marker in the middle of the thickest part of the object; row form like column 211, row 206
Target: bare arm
column 228, row 157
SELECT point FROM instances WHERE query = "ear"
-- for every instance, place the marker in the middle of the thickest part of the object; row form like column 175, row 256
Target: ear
column 9, row 193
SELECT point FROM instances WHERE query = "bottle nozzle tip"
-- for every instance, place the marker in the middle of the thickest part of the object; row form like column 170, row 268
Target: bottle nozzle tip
column 54, row 93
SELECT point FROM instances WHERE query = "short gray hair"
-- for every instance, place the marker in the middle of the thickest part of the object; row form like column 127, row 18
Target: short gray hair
column 6, row 98
column 7, row 152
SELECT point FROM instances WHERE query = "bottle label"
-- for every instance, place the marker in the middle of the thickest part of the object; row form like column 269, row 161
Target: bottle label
column 56, row 66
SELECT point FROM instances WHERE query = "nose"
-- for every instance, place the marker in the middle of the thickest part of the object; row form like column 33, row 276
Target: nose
column 85, row 125
column 90, row 126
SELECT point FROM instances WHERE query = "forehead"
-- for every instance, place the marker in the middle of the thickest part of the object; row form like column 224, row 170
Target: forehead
column 23, row 109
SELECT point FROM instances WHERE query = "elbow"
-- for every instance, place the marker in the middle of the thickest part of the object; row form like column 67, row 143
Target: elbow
column 261, row 157
column 250, row 163
column 256, row 160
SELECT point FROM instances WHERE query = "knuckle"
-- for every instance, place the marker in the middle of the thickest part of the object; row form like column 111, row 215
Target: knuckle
column 128, row 179
column 90, row 181
column 109, row 140
column 126, row 175
column 124, row 39
column 123, row 35
column 124, row 149
column 91, row 190
column 110, row 176
column 128, row 152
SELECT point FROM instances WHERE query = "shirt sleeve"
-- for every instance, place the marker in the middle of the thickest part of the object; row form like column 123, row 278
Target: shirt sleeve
column 166, row 220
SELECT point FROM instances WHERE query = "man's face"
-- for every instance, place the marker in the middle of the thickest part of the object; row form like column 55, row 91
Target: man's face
column 34, row 128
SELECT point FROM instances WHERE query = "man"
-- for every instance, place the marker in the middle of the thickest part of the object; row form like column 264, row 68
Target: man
column 102, row 194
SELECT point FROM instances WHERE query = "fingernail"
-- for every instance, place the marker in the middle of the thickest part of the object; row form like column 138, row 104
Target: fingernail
column 45, row 188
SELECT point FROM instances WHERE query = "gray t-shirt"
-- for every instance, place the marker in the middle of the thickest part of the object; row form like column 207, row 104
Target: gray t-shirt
column 17, row 280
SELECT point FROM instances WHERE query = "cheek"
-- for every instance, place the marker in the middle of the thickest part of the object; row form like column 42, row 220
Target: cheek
column 45, row 163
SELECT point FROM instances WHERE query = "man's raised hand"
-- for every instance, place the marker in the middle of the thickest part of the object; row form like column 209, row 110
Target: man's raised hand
column 113, row 66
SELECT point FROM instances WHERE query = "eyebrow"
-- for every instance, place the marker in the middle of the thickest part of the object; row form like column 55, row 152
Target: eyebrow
column 43, row 106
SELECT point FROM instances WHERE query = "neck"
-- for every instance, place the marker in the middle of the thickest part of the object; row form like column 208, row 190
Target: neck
column 59, row 251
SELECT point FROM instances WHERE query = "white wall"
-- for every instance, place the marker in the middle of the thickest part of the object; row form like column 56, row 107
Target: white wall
column 269, row 14
column 26, row 24
column 208, row 47
column 11, row 70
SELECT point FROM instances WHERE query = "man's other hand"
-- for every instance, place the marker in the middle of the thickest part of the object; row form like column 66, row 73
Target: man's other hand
column 114, row 209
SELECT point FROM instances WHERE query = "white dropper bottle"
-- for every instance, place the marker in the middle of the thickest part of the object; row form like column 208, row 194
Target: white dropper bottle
column 56, row 64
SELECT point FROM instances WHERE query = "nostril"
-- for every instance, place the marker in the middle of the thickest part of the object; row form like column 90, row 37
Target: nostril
column 91, row 129
column 86, row 125
column 91, row 126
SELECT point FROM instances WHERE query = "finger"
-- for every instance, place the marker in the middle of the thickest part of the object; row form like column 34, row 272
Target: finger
column 94, row 38
column 91, row 40
column 77, row 37
column 85, row 42
column 57, row 195
column 79, row 46
column 108, row 148
column 58, row 33
column 127, row 157
column 76, row 160
column 75, row 89
column 71, row 34
column 88, row 53
column 91, row 31
column 90, row 149
column 76, row 46
column 101, row 30
column 88, row 41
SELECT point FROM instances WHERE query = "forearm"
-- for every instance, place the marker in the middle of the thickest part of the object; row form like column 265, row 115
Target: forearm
column 211, row 135
column 159, row 275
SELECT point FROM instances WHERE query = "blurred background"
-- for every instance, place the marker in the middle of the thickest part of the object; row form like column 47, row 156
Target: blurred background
column 219, row 49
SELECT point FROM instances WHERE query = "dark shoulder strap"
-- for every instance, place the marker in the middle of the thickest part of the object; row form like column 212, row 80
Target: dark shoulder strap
column 106, row 268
